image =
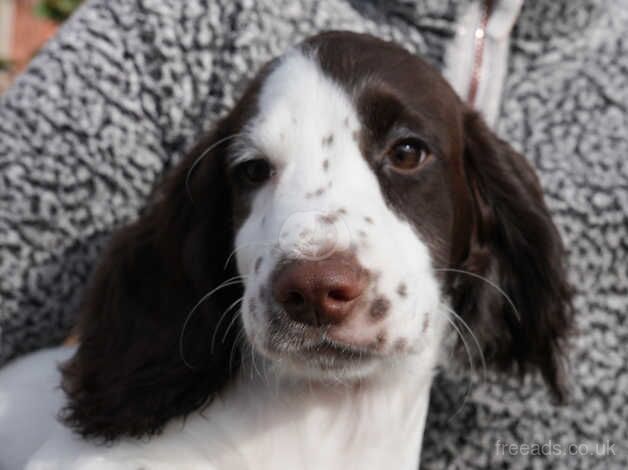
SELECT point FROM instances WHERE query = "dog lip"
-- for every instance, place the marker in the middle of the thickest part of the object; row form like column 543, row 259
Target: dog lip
column 327, row 348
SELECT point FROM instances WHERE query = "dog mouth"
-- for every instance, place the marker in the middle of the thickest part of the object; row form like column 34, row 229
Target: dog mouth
column 311, row 351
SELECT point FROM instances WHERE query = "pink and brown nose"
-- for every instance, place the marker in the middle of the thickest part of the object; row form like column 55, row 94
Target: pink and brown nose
column 321, row 292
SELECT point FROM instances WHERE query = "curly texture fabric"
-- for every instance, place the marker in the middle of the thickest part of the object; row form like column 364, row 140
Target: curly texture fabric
column 126, row 87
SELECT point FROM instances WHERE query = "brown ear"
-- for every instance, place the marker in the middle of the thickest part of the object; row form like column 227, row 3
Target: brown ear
column 521, row 313
column 136, row 367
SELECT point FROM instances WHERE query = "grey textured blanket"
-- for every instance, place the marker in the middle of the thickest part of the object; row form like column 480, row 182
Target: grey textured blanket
column 126, row 87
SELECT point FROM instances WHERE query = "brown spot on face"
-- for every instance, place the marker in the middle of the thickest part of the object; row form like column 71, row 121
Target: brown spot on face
column 368, row 220
column 328, row 140
column 402, row 289
column 379, row 308
column 258, row 263
column 400, row 345
column 325, row 164
column 380, row 339
column 426, row 322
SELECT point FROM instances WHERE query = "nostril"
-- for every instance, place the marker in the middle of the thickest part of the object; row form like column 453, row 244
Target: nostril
column 295, row 298
column 340, row 295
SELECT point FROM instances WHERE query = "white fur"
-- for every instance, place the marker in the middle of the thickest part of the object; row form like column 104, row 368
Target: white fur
column 270, row 418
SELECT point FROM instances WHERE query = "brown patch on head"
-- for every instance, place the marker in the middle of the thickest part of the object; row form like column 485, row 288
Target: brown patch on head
column 426, row 322
column 258, row 263
column 379, row 308
column 326, row 164
column 328, row 140
column 402, row 289
column 387, row 105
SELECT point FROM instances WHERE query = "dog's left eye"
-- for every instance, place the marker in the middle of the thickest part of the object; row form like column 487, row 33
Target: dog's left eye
column 408, row 155
column 254, row 172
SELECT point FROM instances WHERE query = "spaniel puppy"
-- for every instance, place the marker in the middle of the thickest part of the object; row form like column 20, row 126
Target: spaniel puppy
column 284, row 299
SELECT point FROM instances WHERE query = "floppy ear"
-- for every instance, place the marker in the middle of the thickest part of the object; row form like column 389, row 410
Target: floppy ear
column 137, row 366
column 521, row 313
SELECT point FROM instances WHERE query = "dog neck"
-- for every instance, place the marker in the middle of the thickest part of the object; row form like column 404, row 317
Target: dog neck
column 268, row 421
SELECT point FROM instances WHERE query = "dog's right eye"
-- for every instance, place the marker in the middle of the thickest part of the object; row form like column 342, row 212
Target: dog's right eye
column 254, row 172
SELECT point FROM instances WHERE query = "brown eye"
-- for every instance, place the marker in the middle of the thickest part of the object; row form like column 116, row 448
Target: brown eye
column 254, row 172
column 408, row 155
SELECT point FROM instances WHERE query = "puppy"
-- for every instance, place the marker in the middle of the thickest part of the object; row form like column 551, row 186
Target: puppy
column 284, row 299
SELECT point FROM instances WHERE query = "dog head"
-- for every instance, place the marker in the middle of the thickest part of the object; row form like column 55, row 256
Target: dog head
column 346, row 210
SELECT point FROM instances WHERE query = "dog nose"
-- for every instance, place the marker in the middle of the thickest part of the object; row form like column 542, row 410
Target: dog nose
column 319, row 292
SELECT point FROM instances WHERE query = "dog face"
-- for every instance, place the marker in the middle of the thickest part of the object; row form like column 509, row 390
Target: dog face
column 347, row 212
column 347, row 209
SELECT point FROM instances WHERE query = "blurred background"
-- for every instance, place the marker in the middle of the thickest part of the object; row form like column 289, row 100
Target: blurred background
column 25, row 25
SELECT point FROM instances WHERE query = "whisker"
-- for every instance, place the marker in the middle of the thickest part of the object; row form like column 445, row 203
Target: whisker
column 490, row 283
column 475, row 339
column 468, row 351
column 222, row 317
column 200, row 158
column 231, row 323
column 229, row 282
column 239, row 338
